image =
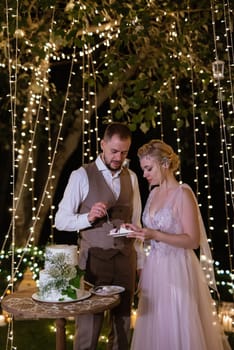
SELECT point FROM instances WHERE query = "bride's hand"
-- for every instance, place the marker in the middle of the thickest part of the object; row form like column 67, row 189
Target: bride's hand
column 149, row 233
column 130, row 227
column 135, row 231
column 143, row 234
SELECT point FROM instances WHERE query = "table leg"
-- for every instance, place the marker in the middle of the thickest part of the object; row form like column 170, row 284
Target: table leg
column 61, row 334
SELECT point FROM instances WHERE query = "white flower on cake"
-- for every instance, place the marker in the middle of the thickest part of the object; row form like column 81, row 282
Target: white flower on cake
column 59, row 268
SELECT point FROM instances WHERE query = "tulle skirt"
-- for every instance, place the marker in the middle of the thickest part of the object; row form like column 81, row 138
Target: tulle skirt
column 176, row 311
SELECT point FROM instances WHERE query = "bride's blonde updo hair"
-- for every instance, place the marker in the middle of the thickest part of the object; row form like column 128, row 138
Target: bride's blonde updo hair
column 162, row 152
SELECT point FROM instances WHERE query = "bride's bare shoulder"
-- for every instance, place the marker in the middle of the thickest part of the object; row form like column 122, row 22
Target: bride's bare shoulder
column 188, row 196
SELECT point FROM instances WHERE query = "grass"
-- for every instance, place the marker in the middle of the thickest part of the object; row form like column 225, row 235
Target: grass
column 37, row 335
column 40, row 334
column 32, row 335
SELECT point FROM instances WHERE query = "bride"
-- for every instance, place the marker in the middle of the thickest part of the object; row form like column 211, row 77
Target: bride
column 176, row 311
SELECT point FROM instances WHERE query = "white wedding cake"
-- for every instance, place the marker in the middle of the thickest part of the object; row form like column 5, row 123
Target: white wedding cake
column 60, row 278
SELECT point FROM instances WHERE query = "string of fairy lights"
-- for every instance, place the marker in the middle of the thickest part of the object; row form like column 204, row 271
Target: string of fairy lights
column 198, row 129
column 89, row 107
column 34, row 98
column 34, row 132
column 24, row 156
column 201, row 157
column 225, row 147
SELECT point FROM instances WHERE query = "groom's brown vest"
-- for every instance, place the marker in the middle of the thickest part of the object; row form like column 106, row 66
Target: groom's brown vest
column 119, row 211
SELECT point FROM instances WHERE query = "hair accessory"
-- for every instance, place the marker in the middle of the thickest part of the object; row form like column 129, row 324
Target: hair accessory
column 165, row 162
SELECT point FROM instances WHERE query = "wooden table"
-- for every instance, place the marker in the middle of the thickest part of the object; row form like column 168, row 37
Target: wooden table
column 21, row 305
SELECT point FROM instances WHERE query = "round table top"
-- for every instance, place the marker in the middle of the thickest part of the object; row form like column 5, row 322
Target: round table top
column 22, row 305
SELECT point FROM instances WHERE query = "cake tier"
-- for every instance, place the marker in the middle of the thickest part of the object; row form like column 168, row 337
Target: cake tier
column 69, row 253
column 50, row 289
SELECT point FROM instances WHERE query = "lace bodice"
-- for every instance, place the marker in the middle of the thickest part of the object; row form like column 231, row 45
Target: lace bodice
column 166, row 219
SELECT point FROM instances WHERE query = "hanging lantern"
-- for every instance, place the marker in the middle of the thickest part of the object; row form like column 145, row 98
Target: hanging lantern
column 218, row 69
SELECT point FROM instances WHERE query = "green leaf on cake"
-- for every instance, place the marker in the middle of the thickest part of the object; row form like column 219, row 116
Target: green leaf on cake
column 70, row 292
column 75, row 282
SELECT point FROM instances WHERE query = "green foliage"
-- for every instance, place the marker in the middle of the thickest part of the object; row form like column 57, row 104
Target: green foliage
column 154, row 46
column 70, row 292
column 30, row 257
column 74, row 284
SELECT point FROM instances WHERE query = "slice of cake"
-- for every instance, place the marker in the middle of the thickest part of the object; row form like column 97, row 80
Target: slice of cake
column 122, row 231
column 61, row 278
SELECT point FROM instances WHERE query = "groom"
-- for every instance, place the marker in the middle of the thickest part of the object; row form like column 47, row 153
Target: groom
column 99, row 196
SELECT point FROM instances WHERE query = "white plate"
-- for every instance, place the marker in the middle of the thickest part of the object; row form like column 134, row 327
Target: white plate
column 107, row 290
column 120, row 233
column 85, row 294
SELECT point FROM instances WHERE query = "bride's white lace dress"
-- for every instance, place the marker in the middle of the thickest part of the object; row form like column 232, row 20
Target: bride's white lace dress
column 175, row 311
